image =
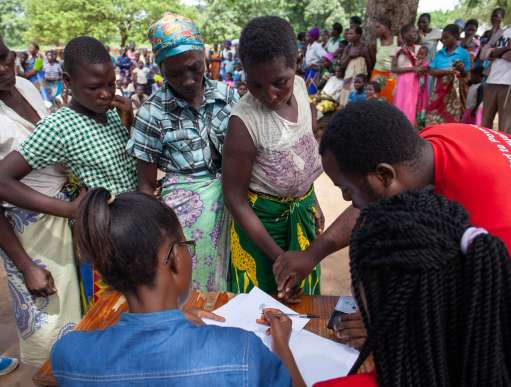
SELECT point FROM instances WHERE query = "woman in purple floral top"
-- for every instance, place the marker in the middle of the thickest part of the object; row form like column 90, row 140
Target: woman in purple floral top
column 271, row 160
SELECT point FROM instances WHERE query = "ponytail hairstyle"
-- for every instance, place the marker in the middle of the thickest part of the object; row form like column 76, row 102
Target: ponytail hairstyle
column 122, row 236
column 434, row 316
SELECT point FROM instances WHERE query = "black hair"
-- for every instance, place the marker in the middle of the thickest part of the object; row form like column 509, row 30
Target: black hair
column 472, row 22
column 478, row 70
column 480, row 95
column 425, row 48
column 453, row 29
column 434, row 315
column 502, row 11
column 337, row 27
column 36, row 46
column 376, row 86
column 361, row 76
column 356, row 20
column 266, row 38
column 301, row 35
column 84, row 50
column 365, row 134
column 4, row 50
column 426, row 15
column 384, row 20
column 123, row 236
column 406, row 28
column 358, row 30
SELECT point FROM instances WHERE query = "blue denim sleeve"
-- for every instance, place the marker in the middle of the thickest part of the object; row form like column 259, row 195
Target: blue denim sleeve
column 265, row 368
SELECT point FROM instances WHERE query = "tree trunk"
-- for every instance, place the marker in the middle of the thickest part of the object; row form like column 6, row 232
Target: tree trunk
column 124, row 36
column 400, row 13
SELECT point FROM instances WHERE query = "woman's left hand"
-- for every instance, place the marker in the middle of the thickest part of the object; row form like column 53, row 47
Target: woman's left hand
column 195, row 315
column 124, row 109
column 319, row 217
column 459, row 67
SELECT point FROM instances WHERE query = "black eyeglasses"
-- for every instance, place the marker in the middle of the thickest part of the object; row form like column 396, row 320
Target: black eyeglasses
column 190, row 245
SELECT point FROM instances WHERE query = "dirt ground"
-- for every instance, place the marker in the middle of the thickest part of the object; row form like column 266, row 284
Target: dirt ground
column 335, row 280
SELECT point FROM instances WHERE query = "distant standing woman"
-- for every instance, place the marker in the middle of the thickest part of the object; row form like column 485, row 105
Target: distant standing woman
column 34, row 68
column 404, row 64
column 214, row 61
column 450, row 68
column 315, row 52
column 271, row 160
column 382, row 52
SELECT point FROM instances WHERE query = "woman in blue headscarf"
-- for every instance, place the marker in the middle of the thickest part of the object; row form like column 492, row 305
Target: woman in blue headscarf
column 180, row 130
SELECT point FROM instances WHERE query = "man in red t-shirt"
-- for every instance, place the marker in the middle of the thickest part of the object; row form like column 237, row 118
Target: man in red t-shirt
column 371, row 151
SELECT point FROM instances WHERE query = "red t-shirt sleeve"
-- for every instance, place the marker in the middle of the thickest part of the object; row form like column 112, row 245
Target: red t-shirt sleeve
column 473, row 167
column 360, row 380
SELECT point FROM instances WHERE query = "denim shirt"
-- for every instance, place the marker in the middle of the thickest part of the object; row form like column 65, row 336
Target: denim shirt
column 165, row 349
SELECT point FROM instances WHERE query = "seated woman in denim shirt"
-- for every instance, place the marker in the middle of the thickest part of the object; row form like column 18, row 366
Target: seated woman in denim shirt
column 137, row 244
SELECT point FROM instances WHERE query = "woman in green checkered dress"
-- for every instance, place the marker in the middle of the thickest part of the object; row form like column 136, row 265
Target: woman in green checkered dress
column 89, row 138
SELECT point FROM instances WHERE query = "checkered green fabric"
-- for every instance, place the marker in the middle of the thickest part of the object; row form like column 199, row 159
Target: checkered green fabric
column 95, row 153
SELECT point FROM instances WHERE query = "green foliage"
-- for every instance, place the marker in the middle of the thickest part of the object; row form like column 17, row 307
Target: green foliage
column 12, row 22
column 324, row 13
column 471, row 9
column 439, row 19
column 224, row 19
column 56, row 21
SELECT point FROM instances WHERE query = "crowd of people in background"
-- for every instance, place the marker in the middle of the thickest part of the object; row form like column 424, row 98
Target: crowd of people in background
column 434, row 76
column 137, row 77
column 430, row 85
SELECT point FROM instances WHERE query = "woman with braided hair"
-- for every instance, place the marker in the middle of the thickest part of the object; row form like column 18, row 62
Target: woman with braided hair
column 434, row 294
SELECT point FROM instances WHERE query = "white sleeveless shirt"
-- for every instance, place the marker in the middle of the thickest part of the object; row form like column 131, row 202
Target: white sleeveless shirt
column 287, row 160
column 14, row 129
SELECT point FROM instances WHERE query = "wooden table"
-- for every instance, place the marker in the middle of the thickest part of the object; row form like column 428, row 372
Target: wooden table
column 108, row 309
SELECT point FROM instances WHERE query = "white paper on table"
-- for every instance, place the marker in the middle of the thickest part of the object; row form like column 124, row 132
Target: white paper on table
column 244, row 309
column 317, row 358
column 320, row 359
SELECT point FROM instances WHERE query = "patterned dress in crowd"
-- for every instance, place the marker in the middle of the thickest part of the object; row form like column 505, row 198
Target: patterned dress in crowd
column 47, row 239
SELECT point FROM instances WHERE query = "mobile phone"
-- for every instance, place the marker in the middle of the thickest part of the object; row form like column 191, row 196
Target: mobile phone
column 345, row 305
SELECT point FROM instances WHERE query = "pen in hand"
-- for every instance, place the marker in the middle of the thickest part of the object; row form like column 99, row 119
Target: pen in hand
column 300, row 315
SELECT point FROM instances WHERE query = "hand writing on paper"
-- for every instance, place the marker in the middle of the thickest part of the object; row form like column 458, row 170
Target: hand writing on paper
column 350, row 330
column 196, row 315
column 279, row 329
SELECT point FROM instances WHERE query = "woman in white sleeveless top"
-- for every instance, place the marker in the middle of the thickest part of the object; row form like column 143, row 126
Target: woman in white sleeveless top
column 271, row 160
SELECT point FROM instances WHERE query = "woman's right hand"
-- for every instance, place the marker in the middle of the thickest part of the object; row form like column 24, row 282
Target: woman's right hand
column 280, row 328
column 458, row 66
column 39, row 281
column 74, row 206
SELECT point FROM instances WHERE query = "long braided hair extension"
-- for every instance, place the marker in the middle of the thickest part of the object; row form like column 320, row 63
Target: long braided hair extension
column 434, row 316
